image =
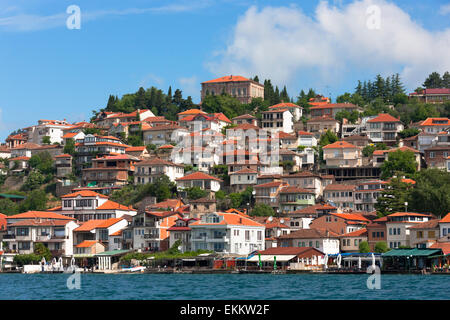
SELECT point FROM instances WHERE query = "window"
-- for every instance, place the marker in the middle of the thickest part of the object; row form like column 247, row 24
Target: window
column 419, row 234
column 22, row 232
column 259, row 235
column 247, row 235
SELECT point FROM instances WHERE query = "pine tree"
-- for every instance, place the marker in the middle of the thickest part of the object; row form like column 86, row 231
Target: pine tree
column 364, row 92
column 358, row 89
column 284, row 95
column 387, row 90
column 276, row 96
column 111, row 103
column 370, row 91
column 177, row 97
column 398, row 85
column 446, row 80
column 379, row 87
column 433, row 81
column 256, row 79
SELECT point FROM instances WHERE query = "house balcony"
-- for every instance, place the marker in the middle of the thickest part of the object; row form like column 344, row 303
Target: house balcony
column 148, row 236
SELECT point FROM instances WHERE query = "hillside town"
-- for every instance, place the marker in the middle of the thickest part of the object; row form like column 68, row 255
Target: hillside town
column 302, row 183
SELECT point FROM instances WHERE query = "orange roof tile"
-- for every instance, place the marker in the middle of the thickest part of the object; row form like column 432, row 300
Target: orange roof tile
column 228, row 79
column 39, row 214
column 446, row 219
column 97, row 224
column 358, row 233
column 231, row 219
column 87, row 243
column 384, row 117
column 85, row 193
column 431, row 122
column 192, row 111
column 198, row 176
column 111, row 205
column 340, row 144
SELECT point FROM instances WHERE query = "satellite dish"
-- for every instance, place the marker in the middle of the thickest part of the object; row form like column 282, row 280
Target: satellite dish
column 270, row 219
column 281, row 221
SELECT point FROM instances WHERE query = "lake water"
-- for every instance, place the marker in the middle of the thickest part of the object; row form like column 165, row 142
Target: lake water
column 222, row 286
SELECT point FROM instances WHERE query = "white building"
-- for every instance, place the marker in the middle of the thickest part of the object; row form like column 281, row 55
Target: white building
column 199, row 179
column 89, row 205
column 397, row 227
column 277, row 120
column 148, row 171
column 47, row 128
column 321, row 239
column 227, row 233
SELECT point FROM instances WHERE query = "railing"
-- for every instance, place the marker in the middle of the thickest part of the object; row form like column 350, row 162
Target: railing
column 9, row 236
column 151, row 236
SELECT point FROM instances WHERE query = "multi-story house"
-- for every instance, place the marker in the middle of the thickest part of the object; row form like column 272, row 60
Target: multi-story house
column 321, row 124
column 151, row 229
column 148, row 171
column 367, row 193
column 240, row 180
column 99, row 230
column 444, row 226
column 306, row 139
column 359, row 140
column 267, row 193
column 379, row 156
column 245, row 118
column 432, row 95
column 384, row 128
column 106, row 119
column 340, row 195
column 94, row 146
column 201, row 121
column 109, row 171
column 189, row 112
column 423, row 235
column 287, row 140
column 305, row 180
column 376, row 232
column 292, row 198
column 239, row 87
column 296, row 110
column 350, row 241
column 277, row 120
column 164, row 134
column 15, row 140
column 340, row 223
column 201, row 158
column 275, row 227
column 397, row 227
column 24, row 150
column 139, row 151
column 47, row 128
column 436, row 157
column 342, row 154
column 323, row 240
column 331, row 109
column 63, row 164
column 228, row 233
column 26, row 229
column 181, row 230
column 199, row 179
column 431, row 127
column 90, row 205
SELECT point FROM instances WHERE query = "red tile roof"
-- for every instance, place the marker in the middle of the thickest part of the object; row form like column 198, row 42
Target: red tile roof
column 198, row 176
column 270, row 184
column 84, row 193
column 310, row 234
column 446, row 219
column 39, row 214
column 97, row 224
column 335, row 105
column 284, row 104
column 230, row 78
column 430, row 122
column 358, row 233
column 87, row 243
column 37, row 222
column 294, row 189
column 340, row 187
column 111, row 205
column 231, row 219
column 340, row 145
column 384, row 117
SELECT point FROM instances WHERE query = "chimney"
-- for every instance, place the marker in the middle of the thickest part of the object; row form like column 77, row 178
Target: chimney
column 240, row 220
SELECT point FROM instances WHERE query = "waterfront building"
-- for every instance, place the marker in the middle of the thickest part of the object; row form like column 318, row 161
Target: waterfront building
column 397, row 227
column 444, row 226
column 350, row 241
column 423, row 235
column 99, row 230
column 340, row 223
column 291, row 258
column 376, row 232
column 227, row 233
column 89, row 205
column 323, row 240
column 181, row 230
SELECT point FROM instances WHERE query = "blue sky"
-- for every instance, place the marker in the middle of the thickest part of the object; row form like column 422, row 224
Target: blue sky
column 51, row 72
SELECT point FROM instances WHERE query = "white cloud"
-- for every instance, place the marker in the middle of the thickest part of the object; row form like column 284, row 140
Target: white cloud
column 444, row 9
column 190, row 86
column 151, row 80
column 282, row 43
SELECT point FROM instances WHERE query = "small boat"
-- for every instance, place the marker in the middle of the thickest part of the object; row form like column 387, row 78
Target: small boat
column 134, row 269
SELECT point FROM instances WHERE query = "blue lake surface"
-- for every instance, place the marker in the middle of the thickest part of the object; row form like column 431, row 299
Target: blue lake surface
column 222, row 286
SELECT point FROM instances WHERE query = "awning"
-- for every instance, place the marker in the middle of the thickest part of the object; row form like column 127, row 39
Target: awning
column 412, row 252
column 268, row 258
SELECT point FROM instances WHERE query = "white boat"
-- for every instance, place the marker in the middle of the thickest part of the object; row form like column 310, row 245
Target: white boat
column 134, row 269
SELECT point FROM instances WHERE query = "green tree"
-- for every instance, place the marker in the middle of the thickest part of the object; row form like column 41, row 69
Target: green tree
column 328, row 138
column 8, row 207
column 24, row 259
column 431, row 192
column 399, row 163
column 69, row 147
column 34, row 180
column 364, row 247
column 368, row 150
column 262, row 209
column 410, row 132
column 43, row 161
column 433, row 81
column 392, row 199
column 46, row 140
column 36, row 200
column 42, row 251
column 194, row 193
column 381, row 247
